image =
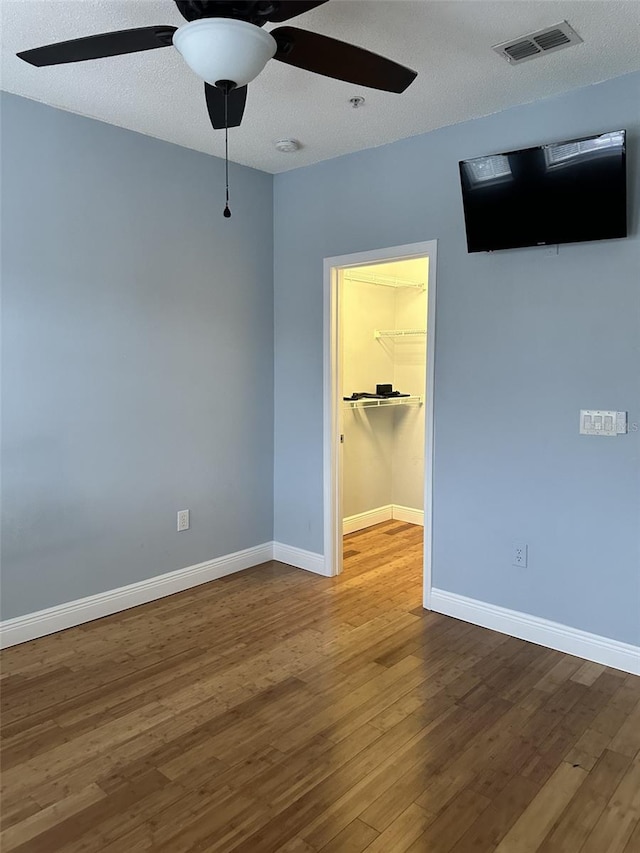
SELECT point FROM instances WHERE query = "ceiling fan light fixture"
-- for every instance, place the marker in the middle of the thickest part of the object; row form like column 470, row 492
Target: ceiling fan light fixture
column 218, row 49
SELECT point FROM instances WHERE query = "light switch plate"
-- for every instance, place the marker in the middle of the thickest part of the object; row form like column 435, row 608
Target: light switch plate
column 598, row 422
column 621, row 423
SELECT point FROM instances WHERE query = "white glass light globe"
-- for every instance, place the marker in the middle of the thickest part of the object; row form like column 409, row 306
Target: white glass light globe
column 224, row 49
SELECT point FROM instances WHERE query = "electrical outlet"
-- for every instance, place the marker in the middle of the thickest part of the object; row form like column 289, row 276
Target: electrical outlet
column 183, row 520
column 519, row 555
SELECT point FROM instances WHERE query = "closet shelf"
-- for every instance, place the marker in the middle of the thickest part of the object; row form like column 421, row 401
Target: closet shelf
column 399, row 333
column 369, row 403
column 384, row 280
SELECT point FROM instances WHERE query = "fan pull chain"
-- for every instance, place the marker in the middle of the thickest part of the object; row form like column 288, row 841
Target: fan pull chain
column 227, row 212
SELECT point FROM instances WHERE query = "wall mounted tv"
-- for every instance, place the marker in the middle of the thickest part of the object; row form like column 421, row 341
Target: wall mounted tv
column 565, row 192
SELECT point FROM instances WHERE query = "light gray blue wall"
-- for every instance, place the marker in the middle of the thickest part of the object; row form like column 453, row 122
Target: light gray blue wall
column 525, row 338
column 137, row 357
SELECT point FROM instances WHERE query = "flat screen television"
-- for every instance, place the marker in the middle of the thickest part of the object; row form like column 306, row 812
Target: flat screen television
column 565, row 192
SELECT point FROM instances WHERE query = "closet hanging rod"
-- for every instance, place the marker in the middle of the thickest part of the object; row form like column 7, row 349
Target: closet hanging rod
column 398, row 333
column 384, row 280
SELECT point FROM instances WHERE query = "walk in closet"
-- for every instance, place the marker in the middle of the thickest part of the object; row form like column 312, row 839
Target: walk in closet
column 384, row 346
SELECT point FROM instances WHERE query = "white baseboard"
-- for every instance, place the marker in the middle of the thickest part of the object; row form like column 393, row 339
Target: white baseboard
column 362, row 520
column 367, row 519
column 553, row 635
column 408, row 514
column 43, row 622
column 67, row 615
column 299, row 558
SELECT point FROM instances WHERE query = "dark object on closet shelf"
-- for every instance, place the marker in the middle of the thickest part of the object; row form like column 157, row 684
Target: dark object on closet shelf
column 386, row 390
column 360, row 395
column 365, row 395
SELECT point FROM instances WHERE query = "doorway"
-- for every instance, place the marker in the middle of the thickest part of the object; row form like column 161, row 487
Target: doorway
column 377, row 268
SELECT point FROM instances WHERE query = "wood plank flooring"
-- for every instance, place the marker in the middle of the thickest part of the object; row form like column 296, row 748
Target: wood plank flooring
column 276, row 710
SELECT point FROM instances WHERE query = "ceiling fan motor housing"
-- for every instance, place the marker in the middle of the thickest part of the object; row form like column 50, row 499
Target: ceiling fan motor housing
column 223, row 49
column 255, row 11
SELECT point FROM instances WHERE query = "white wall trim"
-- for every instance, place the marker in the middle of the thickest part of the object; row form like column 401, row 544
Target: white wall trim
column 43, row 622
column 362, row 520
column 553, row 635
column 72, row 613
column 300, row 558
column 408, row 514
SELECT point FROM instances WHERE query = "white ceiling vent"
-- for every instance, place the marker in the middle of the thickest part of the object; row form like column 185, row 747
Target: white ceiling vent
column 536, row 44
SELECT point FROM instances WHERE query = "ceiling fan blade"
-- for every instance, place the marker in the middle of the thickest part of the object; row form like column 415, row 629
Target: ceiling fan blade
column 99, row 46
column 333, row 58
column 286, row 9
column 215, row 105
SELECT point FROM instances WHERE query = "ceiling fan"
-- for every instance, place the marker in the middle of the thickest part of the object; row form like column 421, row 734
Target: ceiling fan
column 223, row 43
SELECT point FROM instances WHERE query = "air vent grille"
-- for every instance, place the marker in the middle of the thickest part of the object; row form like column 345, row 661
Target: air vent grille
column 521, row 50
column 551, row 39
column 536, row 44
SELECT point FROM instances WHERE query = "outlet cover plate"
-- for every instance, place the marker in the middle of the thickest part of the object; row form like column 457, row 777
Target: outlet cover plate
column 520, row 555
column 183, row 520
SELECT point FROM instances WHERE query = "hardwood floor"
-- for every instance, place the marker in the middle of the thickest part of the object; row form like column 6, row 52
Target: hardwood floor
column 276, row 710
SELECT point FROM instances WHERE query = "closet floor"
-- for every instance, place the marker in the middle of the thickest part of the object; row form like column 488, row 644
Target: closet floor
column 277, row 710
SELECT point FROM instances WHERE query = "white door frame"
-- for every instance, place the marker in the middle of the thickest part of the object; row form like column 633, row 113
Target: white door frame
column 332, row 393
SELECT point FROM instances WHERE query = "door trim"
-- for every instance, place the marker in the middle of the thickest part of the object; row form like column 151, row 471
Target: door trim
column 332, row 394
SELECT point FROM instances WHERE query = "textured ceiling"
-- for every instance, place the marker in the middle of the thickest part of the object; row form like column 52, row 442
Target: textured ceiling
column 448, row 43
